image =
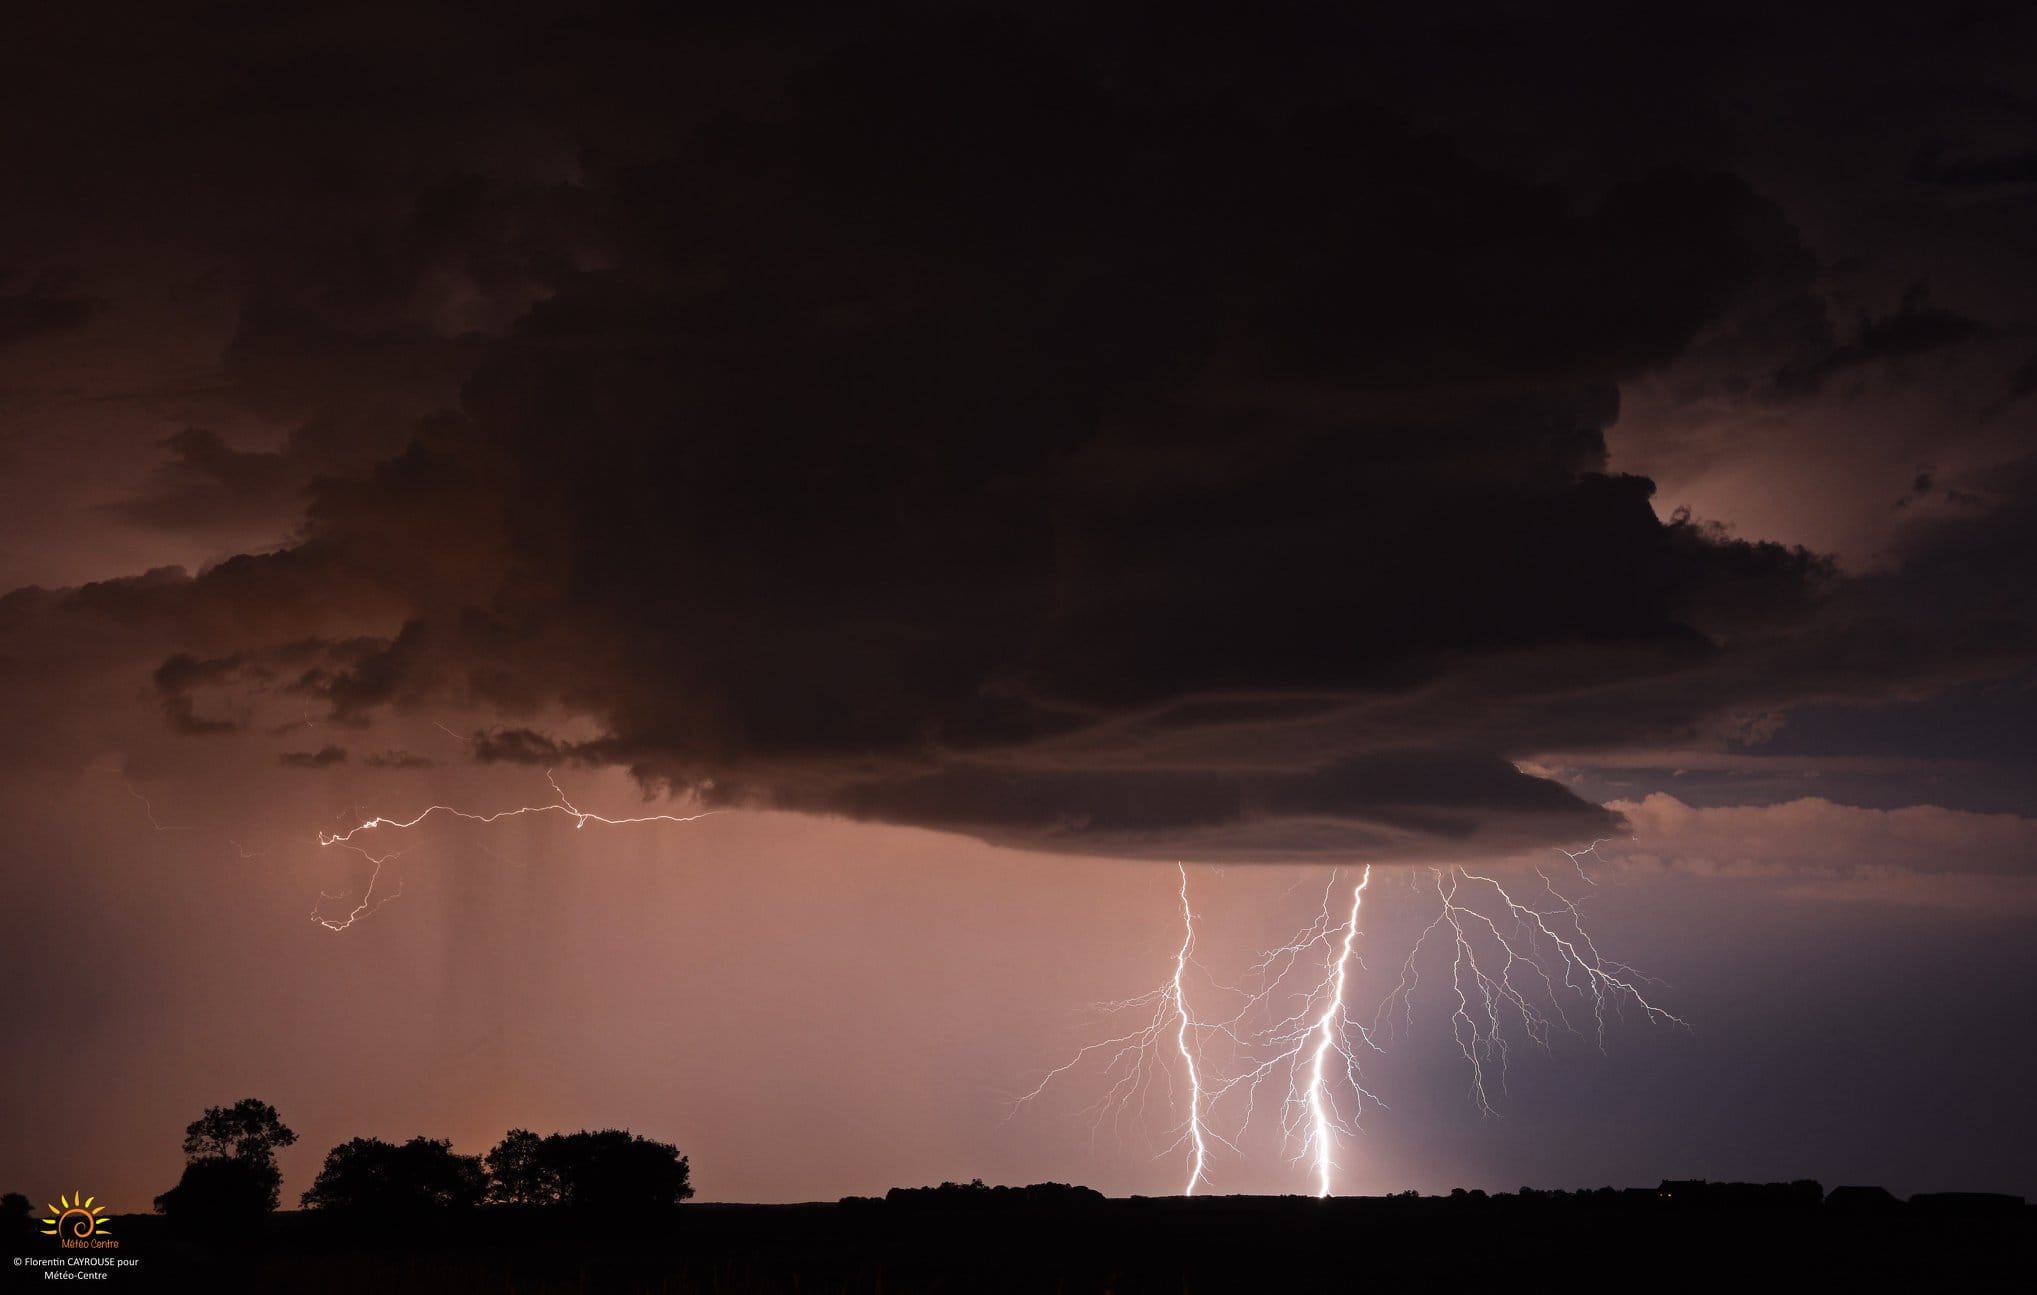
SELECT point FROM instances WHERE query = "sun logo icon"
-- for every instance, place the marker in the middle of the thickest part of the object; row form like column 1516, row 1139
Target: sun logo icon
column 75, row 1216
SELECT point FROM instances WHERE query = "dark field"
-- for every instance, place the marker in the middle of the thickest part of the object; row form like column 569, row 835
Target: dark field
column 982, row 1241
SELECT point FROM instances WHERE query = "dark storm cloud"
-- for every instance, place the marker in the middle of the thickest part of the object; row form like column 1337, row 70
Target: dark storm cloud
column 1410, row 802
column 525, row 746
column 971, row 428
column 323, row 758
column 1915, row 327
column 2025, row 381
column 208, row 482
column 328, row 669
column 178, row 678
column 942, row 424
column 369, row 328
column 1914, row 686
column 45, row 303
column 1936, row 167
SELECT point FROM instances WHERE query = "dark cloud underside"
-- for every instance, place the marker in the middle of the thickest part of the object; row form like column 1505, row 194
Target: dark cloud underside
column 962, row 428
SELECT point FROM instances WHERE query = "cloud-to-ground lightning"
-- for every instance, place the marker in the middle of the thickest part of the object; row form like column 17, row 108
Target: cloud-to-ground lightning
column 368, row 904
column 1130, row 1059
column 1302, row 1041
column 1329, row 1031
column 1184, row 1024
column 1511, row 965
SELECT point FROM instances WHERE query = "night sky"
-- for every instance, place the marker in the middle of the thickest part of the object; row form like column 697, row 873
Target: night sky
column 989, row 454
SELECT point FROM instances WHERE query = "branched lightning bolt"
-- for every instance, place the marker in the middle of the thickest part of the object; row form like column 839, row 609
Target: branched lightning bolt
column 1181, row 1039
column 1497, row 972
column 368, row 903
column 1329, row 1030
column 1610, row 984
column 1129, row 1058
column 1577, row 858
column 1301, row 1044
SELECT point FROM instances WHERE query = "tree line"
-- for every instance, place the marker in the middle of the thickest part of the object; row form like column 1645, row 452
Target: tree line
column 230, row 1174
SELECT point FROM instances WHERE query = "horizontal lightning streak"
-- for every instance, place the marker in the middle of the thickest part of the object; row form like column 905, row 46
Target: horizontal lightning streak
column 368, row 904
column 560, row 806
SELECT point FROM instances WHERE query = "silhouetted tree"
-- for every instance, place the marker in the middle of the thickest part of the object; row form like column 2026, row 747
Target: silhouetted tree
column 247, row 1130
column 609, row 1169
column 230, row 1179
column 222, row 1193
column 423, row 1175
column 14, row 1224
column 613, row 1169
column 521, row 1172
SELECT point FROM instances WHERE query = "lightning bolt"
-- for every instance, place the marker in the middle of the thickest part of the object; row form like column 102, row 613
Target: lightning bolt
column 581, row 818
column 368, row 904
column 1130, row 1059
column 1301, row 1044
column 1577, row 858
column 1498, row 974
column 149, row 810
column 1188, row 1056
column 1330, row 1037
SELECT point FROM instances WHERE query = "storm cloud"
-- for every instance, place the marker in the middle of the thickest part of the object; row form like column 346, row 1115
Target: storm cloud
column 958, row 429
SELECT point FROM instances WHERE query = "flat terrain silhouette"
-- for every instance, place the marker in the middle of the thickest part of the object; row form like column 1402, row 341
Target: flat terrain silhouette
column 605, row 1210
column 1682, row 1235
